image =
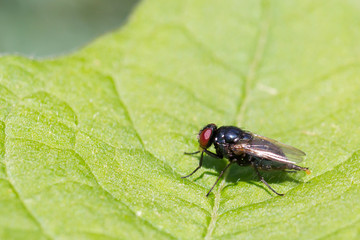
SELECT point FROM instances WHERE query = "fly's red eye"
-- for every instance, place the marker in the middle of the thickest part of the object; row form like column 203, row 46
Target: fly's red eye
column 204, row 137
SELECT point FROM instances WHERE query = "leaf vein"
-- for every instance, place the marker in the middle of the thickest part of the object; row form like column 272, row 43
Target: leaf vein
column 17, row 194
column 240, row 112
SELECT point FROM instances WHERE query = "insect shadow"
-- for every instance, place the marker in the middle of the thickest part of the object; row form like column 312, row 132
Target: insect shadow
column 238, row 173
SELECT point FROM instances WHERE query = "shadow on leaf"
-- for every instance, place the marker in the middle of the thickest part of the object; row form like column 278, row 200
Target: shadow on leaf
column 238, row 173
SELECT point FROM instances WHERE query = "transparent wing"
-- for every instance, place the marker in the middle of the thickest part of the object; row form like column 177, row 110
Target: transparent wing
column 269, row 149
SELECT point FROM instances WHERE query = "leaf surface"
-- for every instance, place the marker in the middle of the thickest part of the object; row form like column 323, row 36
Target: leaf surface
column 91, row 145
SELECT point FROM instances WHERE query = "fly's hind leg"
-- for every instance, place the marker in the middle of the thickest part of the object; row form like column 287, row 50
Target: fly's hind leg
column 263, row 180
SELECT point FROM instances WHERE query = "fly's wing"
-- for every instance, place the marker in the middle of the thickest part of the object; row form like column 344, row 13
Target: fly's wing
column 266, row 148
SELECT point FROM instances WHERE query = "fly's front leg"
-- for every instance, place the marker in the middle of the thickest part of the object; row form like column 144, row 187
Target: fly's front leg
column 211, row 154
column 191, row 153
column 200, row 164
column 201, row 159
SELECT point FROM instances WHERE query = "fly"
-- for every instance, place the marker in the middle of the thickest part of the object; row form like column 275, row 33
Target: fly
column 247, row 149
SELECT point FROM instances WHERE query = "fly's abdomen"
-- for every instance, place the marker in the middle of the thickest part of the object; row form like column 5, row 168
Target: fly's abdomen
column 268, row 165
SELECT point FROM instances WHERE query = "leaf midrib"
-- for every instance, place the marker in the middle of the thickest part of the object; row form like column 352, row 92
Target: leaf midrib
column 249, row 80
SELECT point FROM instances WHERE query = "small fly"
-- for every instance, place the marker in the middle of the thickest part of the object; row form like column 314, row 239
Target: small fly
column 247, row 149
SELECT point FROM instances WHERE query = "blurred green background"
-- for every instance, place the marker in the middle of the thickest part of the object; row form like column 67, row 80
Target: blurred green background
column 48, row 28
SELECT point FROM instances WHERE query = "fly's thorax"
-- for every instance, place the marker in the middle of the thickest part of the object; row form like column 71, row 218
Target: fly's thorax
column 230, row 134
column 221, row 149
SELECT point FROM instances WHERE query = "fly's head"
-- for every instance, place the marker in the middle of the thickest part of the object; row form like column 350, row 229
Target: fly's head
column 206, row 136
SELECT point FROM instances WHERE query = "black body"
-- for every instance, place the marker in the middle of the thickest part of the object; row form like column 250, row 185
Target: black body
column 226, row 137
column 248, row 149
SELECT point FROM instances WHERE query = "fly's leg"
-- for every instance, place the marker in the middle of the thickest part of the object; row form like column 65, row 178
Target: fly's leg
column 192, row 153
column 263, row 180
column 201, row 159
column 222, row 173
column 200, row 164
column 211, row 154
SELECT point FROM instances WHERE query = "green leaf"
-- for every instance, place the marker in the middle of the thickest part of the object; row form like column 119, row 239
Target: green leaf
column 91, row 145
